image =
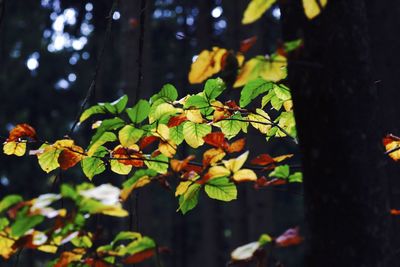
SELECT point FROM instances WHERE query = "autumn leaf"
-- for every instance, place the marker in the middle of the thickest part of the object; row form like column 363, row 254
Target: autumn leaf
column 290, row 237
column 206, row 64
column 255, row 10
column 392, row 146
column 14, row 148
column 177, row 120
column 128, row 156
column 246, row 44
column 212, row 156
column 313, row 8
column 139, row 257
column 194, row 133
column 179, row 165
column 237, row 146
column 395, row 212
column 262, row 160
column 216, row 139
column 21, row 131
column 70, row 156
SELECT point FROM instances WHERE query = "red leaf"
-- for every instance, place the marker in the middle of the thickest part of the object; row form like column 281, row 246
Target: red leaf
column 262, row 159
column 389, row 139
column 177, row 120
column 237, row 146
column 246, row 44
column 216, row 139
column 232, row 104
column 139, row 257
column 179, row 165
column 69, row 158
column 21, row 130
column 146, row 141
column 95, row 263
column 263, row 182
column 290, row 237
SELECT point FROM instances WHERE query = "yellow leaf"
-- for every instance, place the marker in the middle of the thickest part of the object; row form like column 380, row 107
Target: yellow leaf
column 167, row 148
column 6, row 246
column 14, row 148
column 115, row 210
column 143, row 181
column 162, row 131
column 283, row 157
column 236, row 164
column 288, row 105
column 312, row 8
column 194, row 133
column 244, row 175
column 207, row 64
column 212, row 156
column 248, row 72
column 218, row 171
column 119, row 167
column 182, row 188
column 48, row 248
column 261, row 121
column 274, row 69
column 194, row 115
column 255, row 10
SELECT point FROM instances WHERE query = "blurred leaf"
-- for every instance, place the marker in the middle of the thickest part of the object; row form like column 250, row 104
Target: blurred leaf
column 255, row 10
column 312, row 8
column 206, row 64
column 9, row 201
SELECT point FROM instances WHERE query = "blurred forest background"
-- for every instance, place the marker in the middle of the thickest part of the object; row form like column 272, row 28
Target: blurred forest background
column 48, row 55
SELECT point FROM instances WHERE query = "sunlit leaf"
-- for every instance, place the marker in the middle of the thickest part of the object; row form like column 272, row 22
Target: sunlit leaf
column 194, row 133
column 159, row 164
column 139, row 112
column 221, row 189
column 9, row 201
column 25, row 223
column 212, row 156
column 213, row 88
column 245, row 252
column 189, row 199
column 255, row 10
column 99, row 141
column 236, row 164
column 21, row 131
column 392, row 146
column 281, row 171
column 168, row 93
column 176, row 134
column 252, row 89
column 14, row 148
column 260, row 120
column 92, row 166
column 244, row 175
column 206, row 64
column 312, row 8
column 120, row 168
column 140, row 179
column 117, row 106
column 129, row 135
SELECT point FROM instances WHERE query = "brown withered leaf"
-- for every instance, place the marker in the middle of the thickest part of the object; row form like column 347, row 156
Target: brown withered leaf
column 21, row 131
column 263, row 182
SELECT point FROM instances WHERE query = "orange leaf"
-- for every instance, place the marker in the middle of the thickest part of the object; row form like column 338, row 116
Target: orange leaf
column 262, row 159
column 395, row 212
column 232, row 104
column 216, row 139
column 282, row 157
column 21, row 130
column 179, row 165
column 212, row 156
column 176, row 120
column 139, row 257
column 207, row 64
column 392, row 146
column 237, row 146
column 246, row 44
column 290, row 237
column 69, row 157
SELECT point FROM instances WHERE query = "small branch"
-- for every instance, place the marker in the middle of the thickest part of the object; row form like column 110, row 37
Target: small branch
column 92, row 86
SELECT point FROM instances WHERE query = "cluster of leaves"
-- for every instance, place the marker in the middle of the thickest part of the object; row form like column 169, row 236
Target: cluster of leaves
column 144, row 142
column 38, row 224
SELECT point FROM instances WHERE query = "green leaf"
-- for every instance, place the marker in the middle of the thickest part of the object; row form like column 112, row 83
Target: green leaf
column 267, row 98
column 139, row 245
column 194, row 133
column 292, row 45
column 168, row 92
column 276, row 103
column 67, row 191
column 159, row 111
column 126, row 235
column 4, row 222
column 221, row 189
column 287, row 122
column 197, row 101
column 264, row 239
column 25, row 223
column 296, row 177
column 190, row 198
column 97, row 109
column 158, row 164
column 282, row 92
column 139, row 112
column 213, row 88
column 253, row 89
column 100, row 140
column 176, row 134
column 9, row 201
column 231, row 126
column 117, row 106
column 281, row 172
column 92, row 166
column 129, row 135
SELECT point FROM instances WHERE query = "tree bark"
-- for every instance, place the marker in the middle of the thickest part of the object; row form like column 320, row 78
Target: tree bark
column 337, row 113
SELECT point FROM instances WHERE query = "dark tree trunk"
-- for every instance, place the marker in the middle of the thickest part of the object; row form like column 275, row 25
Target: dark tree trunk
column 385, row 45
column 337, row 112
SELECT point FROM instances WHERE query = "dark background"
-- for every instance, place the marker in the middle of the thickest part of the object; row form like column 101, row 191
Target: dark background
column 48, row 54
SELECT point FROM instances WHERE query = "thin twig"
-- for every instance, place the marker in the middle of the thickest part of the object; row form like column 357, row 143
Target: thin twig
column 92, row 86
